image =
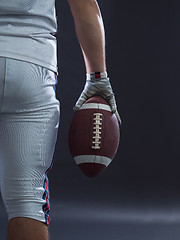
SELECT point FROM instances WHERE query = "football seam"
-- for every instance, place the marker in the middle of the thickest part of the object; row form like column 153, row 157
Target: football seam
column 96, row 143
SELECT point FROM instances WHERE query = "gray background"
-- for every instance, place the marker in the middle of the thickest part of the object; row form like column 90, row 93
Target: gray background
column 137, row 196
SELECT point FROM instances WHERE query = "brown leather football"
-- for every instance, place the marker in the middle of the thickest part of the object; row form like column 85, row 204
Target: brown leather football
column 94, row 136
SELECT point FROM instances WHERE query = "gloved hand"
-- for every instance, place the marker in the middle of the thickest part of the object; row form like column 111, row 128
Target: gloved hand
column 98, row 84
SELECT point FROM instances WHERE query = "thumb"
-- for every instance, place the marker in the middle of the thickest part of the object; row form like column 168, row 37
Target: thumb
column 82, row 99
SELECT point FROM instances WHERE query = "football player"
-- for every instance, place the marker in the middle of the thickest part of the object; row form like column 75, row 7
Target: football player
column 29, row 110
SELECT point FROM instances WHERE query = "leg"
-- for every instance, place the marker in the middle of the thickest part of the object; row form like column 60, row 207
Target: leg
column 27, row 229
column 29, row 117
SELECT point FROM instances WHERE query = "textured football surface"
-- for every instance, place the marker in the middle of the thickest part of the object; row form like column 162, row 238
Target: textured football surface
column 94, row 136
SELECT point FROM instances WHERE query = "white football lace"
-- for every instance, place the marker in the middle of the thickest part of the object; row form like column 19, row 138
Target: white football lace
column 97, row 131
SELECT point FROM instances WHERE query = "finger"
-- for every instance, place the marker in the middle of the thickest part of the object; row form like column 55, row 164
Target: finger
column 112, row 102
column 75, row 108
column 118, row 117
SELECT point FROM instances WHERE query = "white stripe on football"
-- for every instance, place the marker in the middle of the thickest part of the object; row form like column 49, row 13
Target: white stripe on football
column 95, row 106
column 92, row 159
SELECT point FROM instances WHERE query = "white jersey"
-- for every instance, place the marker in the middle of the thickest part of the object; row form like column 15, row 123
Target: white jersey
column 27, row 29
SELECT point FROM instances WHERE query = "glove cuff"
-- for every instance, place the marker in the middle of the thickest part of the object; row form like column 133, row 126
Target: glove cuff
column 96, row 75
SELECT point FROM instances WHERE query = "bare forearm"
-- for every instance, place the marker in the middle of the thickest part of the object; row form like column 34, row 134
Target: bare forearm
column 90, row 33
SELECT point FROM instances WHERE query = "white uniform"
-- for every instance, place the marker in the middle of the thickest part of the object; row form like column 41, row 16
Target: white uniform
column 29, row 110
column 27, row 29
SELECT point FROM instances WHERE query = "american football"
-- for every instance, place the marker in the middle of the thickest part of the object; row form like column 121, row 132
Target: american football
column 94, row 136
